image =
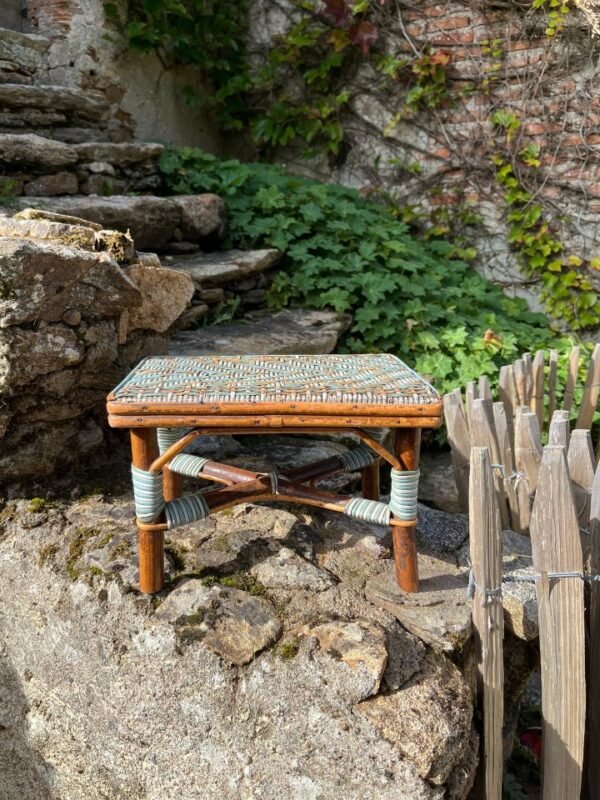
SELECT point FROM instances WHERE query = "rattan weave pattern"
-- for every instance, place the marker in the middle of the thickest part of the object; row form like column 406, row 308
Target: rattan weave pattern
column 340, row 379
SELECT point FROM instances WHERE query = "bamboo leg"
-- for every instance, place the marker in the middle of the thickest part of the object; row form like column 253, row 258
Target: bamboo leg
column 406, row 447
column 144, row 450
column 370, row 481
column 172, row 484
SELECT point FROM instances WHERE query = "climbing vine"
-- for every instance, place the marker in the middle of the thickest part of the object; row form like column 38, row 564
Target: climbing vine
column 567, row 292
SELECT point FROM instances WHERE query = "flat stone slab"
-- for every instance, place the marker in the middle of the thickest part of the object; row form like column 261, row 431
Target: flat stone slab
column 439, row 614
column 152, row 221
column 83, row 103
column 221, row 268
column 296, row 331
column 121, row 154
column 30, row 150
column 232, row 623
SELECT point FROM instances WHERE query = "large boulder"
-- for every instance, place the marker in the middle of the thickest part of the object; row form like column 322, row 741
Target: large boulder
column 219, row 686
column 40, row 281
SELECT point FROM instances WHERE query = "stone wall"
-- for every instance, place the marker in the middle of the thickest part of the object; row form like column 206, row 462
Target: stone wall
column 440, row 158
column 143, row 93
column 78, row 307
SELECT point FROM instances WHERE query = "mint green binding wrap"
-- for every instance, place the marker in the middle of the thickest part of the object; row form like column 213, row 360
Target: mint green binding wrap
column 404, row 494
column 403, row 501
column 368, row 511
column 148, row 486
column 185, row 510
column 182, row 463
column 148, row 494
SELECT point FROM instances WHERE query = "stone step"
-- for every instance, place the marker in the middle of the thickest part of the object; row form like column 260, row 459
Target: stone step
column 152, row 221
column 57, row 101
column 295, row 331
column 40, row 166
column 21, row 53
column 121, row 154
column 27, row 150
column 215, row 269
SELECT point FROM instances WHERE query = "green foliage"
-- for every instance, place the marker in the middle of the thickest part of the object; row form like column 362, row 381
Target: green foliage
column 568, row 294
column 208, row 34
column 347, row 253
column 557, row 11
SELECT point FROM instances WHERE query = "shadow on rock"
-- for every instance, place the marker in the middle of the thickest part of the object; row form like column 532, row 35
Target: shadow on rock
column 24, row 775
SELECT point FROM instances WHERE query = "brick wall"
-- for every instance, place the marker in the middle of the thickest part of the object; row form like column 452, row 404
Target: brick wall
column 441, row 158
column 49, row 16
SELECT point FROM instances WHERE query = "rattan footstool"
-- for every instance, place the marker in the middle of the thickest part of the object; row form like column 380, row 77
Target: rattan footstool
column 169, row 401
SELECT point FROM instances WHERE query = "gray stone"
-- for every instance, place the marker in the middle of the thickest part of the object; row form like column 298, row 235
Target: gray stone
column 59, row 232
column 223, row 268
column 439, row 614
column 87, row 105
column 294, row 331
column 104, row 185
column 165, row 296
column 26, row 50
column 202, row 215
column 121, row 154
column 30, row 150
column 437, row 486
column 428, row 720
column 359, row 644
column 51, row 185
column 152, row 221
column 40, row 281
column 439, row 532
column 40, row 214
column 287, row 570
column 26, row 354
column 37, row 450
column 191, row 317
column 99, row 168
column 259, row 729
column 232, row 623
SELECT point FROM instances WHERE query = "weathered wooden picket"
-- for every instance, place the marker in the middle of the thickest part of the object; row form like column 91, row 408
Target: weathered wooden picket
column 514, row 427
column 564, row 525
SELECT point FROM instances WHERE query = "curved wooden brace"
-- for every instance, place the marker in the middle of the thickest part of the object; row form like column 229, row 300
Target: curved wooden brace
column 381, row 451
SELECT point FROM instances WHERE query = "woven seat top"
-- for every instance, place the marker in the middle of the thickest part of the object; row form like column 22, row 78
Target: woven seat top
column 284, row 384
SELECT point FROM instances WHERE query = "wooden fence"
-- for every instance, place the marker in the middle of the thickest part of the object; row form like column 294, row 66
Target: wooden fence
column 513, row 428
column 564, row 525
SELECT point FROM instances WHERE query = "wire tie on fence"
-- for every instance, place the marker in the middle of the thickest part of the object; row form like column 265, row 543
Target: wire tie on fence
column 495, row 592
column 499, row 467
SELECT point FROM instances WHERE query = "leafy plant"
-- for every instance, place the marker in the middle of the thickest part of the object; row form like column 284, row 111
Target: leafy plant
column 344, row 252
column 206, row 33
column 557, row 11
column 567, row 292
